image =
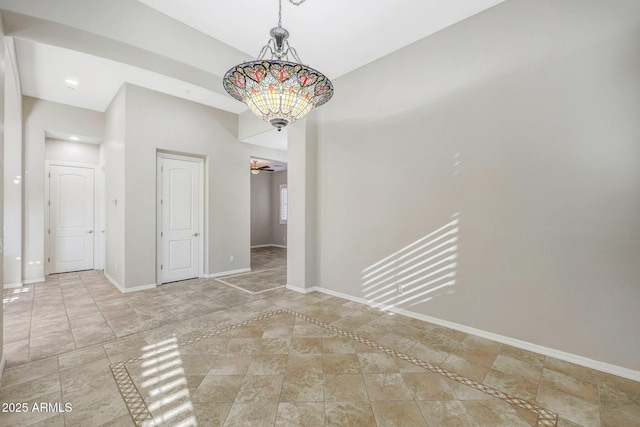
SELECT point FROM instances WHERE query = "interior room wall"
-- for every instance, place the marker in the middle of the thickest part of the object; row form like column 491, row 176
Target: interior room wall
column 513, row 138
column 40, row 116
column 2, row 113
column 112, row 157
column 261, row 200
column 277, row 231
column 302, row 196
column 13, row 179
column 71, row 151
column 156, row 121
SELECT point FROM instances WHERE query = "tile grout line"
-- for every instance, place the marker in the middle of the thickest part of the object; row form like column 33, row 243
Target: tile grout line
column 599, row 397
column 544, row 361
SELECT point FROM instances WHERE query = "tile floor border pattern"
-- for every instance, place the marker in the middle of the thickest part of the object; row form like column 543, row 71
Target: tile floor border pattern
column 132, row 398
column 546, row 418
column 143, row 418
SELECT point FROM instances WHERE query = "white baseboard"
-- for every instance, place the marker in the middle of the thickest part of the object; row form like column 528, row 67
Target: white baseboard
column 227, row 273
column 128, row 290
column 558, row 354
column 301, row 290
column 24, row 282
column 13, row 285
column 140, row 288
column 113, row 282
column 3, row 361
column 270, row 245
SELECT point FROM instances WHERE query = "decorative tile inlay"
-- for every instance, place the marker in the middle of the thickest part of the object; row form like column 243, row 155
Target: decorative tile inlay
column 142, row 415
column 133, row 400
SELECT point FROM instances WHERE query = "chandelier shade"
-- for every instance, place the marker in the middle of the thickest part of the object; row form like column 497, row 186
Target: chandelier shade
column 279, row 92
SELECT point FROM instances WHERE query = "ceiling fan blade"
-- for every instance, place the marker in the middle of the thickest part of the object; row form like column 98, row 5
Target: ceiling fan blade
column 268, row 170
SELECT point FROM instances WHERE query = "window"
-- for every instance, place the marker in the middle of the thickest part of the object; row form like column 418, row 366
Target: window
column 284, row 198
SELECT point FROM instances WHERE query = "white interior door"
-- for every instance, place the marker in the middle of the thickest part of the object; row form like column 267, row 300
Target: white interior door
column 71, row 218
column 180, row 207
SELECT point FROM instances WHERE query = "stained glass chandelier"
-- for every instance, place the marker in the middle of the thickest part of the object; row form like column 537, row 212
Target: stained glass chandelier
column 277, row 90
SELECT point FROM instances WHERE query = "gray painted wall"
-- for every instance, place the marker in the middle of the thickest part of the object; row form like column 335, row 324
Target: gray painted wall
column 522, row 124
column 70, row 151
column 112, row 156
column 13, row 172
column 2, row 112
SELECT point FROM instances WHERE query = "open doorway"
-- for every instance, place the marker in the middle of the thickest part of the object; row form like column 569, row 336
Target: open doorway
column 269, row 217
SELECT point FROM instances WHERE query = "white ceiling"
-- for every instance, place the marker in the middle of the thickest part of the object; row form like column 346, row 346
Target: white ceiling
column 44, row 69
column 333, row 36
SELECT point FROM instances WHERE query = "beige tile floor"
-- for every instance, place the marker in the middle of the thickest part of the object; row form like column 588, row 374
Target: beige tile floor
column 62, row 336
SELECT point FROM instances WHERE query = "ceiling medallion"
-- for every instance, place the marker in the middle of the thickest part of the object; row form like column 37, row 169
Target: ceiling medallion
column 277, row 90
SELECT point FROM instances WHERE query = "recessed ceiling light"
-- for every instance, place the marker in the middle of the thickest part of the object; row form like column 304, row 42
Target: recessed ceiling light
column 74, row 138
column 71, row 82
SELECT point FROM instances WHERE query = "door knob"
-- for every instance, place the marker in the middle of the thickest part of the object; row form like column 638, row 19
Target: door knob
column 90, row 231
column 196, row 234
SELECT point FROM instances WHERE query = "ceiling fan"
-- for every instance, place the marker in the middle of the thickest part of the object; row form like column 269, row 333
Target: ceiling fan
column 255, row 169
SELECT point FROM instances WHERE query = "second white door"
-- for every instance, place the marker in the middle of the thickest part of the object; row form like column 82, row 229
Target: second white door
column 180, row 206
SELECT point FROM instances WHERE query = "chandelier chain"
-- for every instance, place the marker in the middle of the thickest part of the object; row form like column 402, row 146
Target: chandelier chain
column 298, row 3
column 279, row 13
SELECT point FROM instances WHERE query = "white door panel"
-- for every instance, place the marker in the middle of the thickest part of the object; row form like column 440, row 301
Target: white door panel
column 180, row 212
column 180, row 200
column 71, row 216
column 180, row 255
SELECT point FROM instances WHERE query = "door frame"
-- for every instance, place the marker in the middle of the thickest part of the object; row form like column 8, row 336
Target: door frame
column 97, row 185
column 202, row 212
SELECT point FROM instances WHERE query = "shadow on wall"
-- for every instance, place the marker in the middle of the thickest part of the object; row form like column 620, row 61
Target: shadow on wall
column 412, row 274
